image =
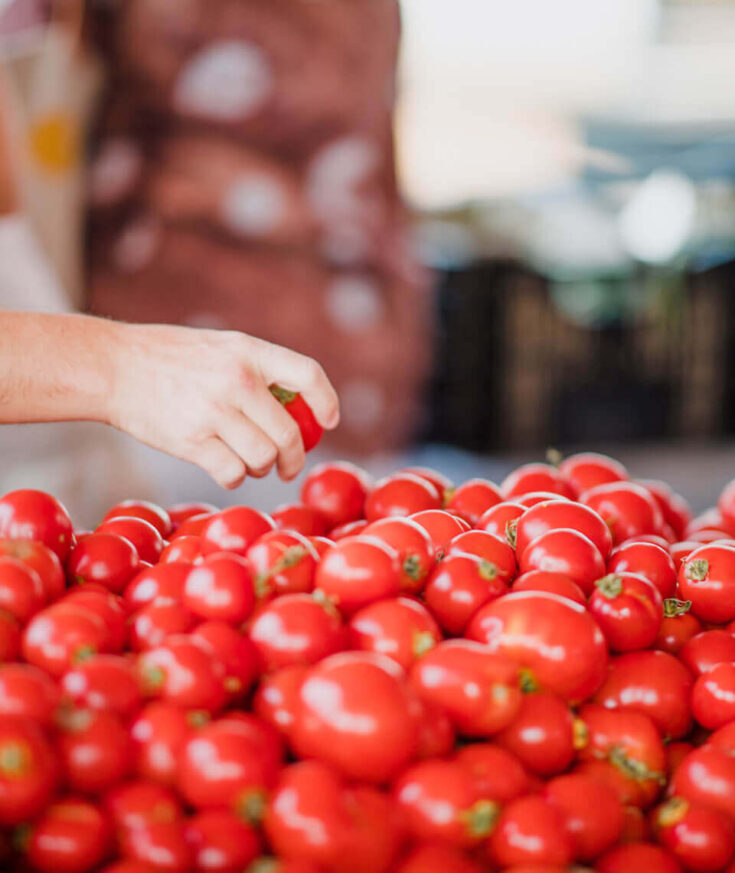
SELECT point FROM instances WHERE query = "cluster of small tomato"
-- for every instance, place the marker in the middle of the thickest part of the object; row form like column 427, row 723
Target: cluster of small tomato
column 390, row 677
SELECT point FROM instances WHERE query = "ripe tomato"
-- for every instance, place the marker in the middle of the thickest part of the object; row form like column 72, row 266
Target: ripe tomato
column 295, row 405
column 28, row 692
column 35, row 515
column 554, row 639
column 441, row 527
column 356, row 713
column 442, row 483
column 479, row 690
column 415, row 551
column 220, row 589
column 496, row 772
column 137, row 802
column 234, row 530
column 680, row 552
column 726, row 506
column 707, row 649
column 592, row 813
column 150, row 512
column 192, row 526
column 702, row 839
column 21, row 591
column 72, row 836
column 627, row 508
column 234, row 651
column 472, row 499
column 629, row 610
column 105, row 682
column 401, row 494
column 159, row 734
column 648, row 560
column 40, row 558
column 439, row 800
column 296, row 629
column 678, row 626
column 487, row 547
column 231, row 763
column 459, row 586
column 146, row 539
column 534, row 477
column 152, row 625
column 158, row 844
column 552, row 583
column 276, row 699
column 301, row 519
column 321, row 545
column 400, row 628
column 283, row 562
column 588, row 469
column 437, row 858
column 674, row 508
column 499, row 520
column 337, row 490
column 221, row 842
column 542, row 736
column 182, row 671
column 95, row 748
column 61, row 635
column 357, row 571
column 707, row 578
column 530, row 830
column 551, row 515
column 162, row 585
column 565, row 551
column 106, row 558
column 713, row 696
column 652, row 682
column 29, row 771
column 106, row 606
column 348, row 530
column 182, row 550
column 707, row 776
column 180, row 512
column 10, row 637
column 638, row 856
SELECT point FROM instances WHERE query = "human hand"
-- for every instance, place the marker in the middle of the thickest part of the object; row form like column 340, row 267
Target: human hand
column 203, row 396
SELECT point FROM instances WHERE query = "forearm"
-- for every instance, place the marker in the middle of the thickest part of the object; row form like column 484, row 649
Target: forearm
column 56, row 367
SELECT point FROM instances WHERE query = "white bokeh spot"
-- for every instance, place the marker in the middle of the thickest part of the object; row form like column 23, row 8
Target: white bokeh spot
column 254, row 205
column 354, row 303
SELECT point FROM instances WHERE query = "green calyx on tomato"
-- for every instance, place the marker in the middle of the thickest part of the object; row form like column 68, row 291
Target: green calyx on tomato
column 15, row 758
column 697, row 570
column 480, row 818
column 673, row 607
column 632, row 768
column 610, row 586
column 283, row 395
column 672, row 812
column 250, row 806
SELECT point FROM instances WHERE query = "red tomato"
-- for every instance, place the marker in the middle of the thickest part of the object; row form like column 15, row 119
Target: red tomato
column 150, row 512
column 276, row 699
column 296, row 629
column 234, row 651
column 357, row 571
column 136, row 803
column 487, row 547
column 321, row 545
column 552, row 583
column 497, row 773
column 707, row 776
column 713, row 696
column 35, row 515
column 146, row 539
column 479, row 690
column 542, row 736
column 401, row 494
column 300, row 518
column 534, row 477
column 356, row 713
column 705, row 650
column 652, row 682
column 723, row 739
column 182, row 671
column 28, row 770
column 441, row 527
column 442, row 483
column 284, row 562
column 106, row 558
column 415, row 551
column 439, row 800
column 162, row 585
column 592, row 813
column 152, row 625
column 530, row 830
column 180, row 512
column 707, row 578
column 231, row 763
column 62, row 635
column 28, row 692
column 40, row 558
column 436, row 733
column 106, row 682
column 588, row 469
column 106, row 606
column 159, row 735
column 337, row 490
column 400, row 628
column 192, row 526
column 551, row 515
column 726, row 506
column 554, row 639
column 678, row 626
column 472, row 499
column 183, row 550
column 221, row 842
column 627, row 508
column 234, row 530
column 21, row 591
column 702, row 839
column 437, row 858
column 347, row 530
column 161, row 844
column 459, row 586
column 674, row 508
column 72, row 836
column 629, row 610
column 499, row 520
column 220, row 589
column 95, row 748
column 565, row 551
column 10, row 637
column 638, row 856
column 295, row 405
column 128, row 866
column 650, row 561
column 680, row 552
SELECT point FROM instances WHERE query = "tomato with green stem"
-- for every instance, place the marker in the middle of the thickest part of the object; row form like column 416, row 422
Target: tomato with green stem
column 629, row 610
column 357, row 571
column 441, row 527
column 295, row 405
column 415, row 551
column 497, row 772
column 283, row 562
column 707, row 578
column 400, row 628
column 702, row 839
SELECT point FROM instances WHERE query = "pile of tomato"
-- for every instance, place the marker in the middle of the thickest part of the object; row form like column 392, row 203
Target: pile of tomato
column 399, row 676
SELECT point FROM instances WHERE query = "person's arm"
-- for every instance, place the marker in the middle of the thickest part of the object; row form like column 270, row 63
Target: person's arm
column 200, row 395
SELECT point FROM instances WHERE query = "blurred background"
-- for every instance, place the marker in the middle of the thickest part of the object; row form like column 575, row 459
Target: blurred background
column 501, row 227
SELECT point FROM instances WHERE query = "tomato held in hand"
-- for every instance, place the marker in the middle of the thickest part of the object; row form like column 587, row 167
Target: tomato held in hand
column 707, row 578
column 628, row 609
column 35, row 515
column 295, row 405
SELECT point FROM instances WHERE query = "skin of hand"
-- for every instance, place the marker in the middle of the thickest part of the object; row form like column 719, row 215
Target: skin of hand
column 200, row 395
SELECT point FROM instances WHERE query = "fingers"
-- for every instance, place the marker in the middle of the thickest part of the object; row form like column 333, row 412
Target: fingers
column 267, row 413
column 248, row 441
column 222, row 464
column 298, row 373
